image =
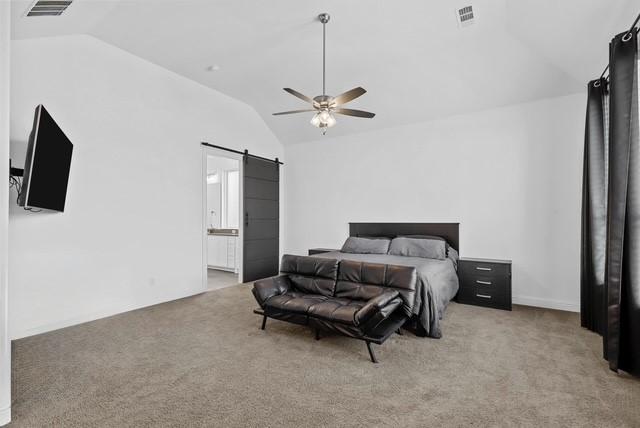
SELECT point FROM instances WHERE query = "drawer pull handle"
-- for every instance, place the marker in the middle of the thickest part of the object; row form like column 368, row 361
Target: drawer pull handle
column 483, row 282
column 484, row 296
column 483, row 268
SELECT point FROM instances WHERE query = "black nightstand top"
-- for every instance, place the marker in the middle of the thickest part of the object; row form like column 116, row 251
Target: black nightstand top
column 471, row 259
column 313, row 251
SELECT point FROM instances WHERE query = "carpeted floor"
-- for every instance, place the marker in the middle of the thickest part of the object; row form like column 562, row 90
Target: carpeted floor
column 203, row 361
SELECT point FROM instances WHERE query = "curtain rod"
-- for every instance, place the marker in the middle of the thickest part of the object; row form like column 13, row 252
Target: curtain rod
column 245, row 153
column 633, row 26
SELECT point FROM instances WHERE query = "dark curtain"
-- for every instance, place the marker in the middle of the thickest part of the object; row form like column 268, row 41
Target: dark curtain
column 622, row 333
column 594, row 210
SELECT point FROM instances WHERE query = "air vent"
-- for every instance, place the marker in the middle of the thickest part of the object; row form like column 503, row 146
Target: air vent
column 48, row 7
column 465, row 16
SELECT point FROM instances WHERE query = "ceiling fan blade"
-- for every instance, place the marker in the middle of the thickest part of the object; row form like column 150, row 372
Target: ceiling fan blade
column 349, row 96
column 356, row 113
column 299, row 95
column 292, row 112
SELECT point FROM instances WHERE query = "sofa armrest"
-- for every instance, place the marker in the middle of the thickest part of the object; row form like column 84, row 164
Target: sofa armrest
column 265, row 289
column 380, row 307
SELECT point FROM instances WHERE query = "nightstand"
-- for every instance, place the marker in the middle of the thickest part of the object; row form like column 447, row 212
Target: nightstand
column 313, row 251
column 485, row 282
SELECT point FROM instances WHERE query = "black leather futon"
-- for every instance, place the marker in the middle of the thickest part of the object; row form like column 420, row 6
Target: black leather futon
column 366, row 301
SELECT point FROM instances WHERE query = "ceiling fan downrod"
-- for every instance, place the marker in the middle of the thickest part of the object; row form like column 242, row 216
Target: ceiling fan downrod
column 324, row 18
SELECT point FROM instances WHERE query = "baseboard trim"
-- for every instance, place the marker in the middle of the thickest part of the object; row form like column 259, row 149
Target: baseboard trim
column 5, row 416
column 546, row 303
column 93, row 316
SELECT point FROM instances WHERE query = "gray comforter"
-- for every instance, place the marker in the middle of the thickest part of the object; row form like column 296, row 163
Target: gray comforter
column 437, row 285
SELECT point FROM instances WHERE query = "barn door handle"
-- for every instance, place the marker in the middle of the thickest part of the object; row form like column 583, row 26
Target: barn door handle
column 246, row 218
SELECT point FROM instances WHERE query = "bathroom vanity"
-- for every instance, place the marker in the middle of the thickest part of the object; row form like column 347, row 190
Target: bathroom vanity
column 223, row 249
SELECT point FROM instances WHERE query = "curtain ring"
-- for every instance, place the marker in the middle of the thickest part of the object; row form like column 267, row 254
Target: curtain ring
column 596, row 84
column 625, row 39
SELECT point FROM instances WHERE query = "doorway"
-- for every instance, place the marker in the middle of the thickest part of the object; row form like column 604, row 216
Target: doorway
column 222, row 249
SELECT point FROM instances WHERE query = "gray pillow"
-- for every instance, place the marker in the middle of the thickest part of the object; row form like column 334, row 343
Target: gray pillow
column 453, row 255
column 417, row 247
column 358, row 245
column 435, row 238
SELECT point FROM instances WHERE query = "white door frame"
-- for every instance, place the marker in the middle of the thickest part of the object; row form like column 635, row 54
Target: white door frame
column 5, row 344
column 211, row 151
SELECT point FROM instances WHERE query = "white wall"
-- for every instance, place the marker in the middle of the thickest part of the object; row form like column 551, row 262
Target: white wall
column 510, row 176
column 131, row 234
column 5, row 349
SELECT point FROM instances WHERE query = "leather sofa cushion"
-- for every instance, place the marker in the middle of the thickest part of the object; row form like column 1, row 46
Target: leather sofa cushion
column 379, row 307
column 364, row 281
column 311, row 275
column 264, row 289
column 294, row 301
column 337, row 310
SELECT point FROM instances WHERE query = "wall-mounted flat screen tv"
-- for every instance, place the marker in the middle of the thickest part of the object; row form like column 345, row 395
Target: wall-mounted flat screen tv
column 47, row 165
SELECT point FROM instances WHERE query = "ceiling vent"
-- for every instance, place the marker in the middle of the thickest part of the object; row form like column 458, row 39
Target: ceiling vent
column 48, row 7
column 465, row 16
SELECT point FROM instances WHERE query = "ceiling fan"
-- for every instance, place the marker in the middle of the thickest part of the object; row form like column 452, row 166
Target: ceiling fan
column 325, row 105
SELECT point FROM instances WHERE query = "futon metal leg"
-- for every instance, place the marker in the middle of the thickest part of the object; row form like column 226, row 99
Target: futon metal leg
column 371, row 354
column 264, row 322
column 399, row 331
column 317, row 334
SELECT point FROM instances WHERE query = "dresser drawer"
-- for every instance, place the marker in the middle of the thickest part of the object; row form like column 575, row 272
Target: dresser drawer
column 488, row 285
column 492, row 283
column 486, row 269
column 489, row 297
column 485, row 286
column 490, row 300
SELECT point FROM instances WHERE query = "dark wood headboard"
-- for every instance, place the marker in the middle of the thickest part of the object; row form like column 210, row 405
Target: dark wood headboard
column 449, row 231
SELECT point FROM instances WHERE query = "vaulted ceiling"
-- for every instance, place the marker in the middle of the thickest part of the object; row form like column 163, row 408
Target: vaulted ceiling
column 410, row 55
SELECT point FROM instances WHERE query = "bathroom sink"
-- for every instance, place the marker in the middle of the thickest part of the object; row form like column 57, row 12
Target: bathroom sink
column 223, row 232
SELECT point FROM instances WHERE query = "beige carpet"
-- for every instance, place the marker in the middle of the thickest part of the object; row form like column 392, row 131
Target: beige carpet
column 203, row 361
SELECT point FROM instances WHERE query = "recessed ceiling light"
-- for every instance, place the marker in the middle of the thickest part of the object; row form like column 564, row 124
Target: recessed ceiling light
column 214, row 67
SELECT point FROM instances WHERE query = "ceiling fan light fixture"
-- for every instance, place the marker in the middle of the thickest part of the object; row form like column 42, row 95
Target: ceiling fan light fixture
column 331, row 121
column 323, row 119
column 327, row 117
column 315, row 120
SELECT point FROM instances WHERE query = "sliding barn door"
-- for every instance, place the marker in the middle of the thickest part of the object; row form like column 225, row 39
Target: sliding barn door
column 261, row 219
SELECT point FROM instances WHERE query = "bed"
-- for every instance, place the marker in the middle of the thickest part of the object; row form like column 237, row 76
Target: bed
column 437, row 279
